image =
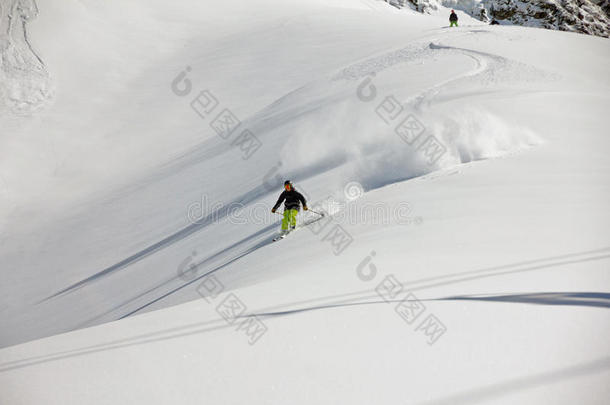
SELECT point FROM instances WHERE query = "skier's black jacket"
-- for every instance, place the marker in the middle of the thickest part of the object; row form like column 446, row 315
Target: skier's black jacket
column 292, row 198
column 453, row 17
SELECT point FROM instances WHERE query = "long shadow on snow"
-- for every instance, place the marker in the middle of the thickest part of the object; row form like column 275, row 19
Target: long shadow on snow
column 589, row 299
column 431, row 282
column 158, row 336
column 585, row 299
column 195, row 269
column 215, row 269
column 280, row 309
column 450, row 279
column 216, row 215
column 202, row 327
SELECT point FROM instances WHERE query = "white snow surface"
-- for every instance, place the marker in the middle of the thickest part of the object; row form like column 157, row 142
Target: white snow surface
column 128, row 224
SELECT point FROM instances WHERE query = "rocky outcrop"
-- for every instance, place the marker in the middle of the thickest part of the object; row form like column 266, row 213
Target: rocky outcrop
column 584, row 16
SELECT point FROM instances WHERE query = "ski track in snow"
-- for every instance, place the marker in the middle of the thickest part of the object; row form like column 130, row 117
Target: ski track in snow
column 197, row 226
column 211, row 264
column 224, row 257
column 489, row 69
column 365, row 297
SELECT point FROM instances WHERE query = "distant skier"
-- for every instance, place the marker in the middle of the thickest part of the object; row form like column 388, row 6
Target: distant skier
column 494, row 22
column 291, row 206
column 453, row 19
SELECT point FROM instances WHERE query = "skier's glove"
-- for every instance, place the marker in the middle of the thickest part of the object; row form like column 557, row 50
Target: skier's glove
column 305, row 208
column 273, row 210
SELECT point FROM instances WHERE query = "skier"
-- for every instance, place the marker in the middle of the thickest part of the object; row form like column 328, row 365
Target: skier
column 291, row 206
column 453, row 19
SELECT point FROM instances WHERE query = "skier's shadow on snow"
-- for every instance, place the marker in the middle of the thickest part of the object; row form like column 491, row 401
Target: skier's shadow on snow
column 198, row 270
column 194, row 227
column 268, row 240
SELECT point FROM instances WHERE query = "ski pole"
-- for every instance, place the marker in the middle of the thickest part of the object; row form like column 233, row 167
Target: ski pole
column 315, row 212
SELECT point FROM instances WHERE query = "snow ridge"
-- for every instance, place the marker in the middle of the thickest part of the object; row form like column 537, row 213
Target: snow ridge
column 25, row 85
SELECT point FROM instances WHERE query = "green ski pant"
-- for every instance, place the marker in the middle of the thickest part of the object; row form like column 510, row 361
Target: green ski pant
column 290, row 219
column 453, row 23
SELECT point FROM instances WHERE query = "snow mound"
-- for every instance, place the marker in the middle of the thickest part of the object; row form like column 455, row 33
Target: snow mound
column 25, row 85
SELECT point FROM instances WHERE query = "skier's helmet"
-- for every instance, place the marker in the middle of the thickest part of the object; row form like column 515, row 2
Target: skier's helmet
column 287, row 185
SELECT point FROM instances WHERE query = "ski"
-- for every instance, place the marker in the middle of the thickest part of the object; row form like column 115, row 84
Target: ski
column 280, row 236
column 306, row 223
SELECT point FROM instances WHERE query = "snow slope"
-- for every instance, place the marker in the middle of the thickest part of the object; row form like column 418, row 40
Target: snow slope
column 135, row 202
